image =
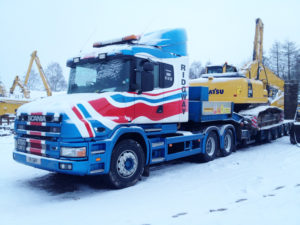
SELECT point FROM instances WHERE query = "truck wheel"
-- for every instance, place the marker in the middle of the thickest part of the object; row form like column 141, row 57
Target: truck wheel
column 228, row 143
column 127, row 164
column 210, row 147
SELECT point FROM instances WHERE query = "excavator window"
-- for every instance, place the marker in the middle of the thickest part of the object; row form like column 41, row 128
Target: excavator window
column 230, row 69
column 215, row 69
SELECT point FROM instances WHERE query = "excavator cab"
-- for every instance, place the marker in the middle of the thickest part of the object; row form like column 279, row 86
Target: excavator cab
column 221, row 69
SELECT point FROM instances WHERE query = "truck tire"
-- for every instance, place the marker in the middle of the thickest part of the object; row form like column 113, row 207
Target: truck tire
column 211, row 147
column 228, row 143
column 127, row 164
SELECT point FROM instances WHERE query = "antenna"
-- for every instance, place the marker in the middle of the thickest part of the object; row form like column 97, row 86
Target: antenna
column 89, row 38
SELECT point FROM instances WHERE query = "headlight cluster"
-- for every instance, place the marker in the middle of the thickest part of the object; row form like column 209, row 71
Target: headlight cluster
column 21, row 127
column 78, row 152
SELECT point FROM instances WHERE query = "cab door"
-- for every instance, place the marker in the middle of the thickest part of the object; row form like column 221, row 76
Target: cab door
column 148, row 106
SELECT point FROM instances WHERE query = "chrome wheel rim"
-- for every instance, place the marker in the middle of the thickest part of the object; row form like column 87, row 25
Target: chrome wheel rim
column 227, row 142
column 210, row 146
column 127, row 163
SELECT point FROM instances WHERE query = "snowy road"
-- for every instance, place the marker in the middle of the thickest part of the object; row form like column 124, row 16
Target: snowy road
column 256, row 185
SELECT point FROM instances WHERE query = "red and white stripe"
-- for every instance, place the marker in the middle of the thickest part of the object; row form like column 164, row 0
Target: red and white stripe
column 86, row 123
column 254, row 122
column 36, row 133
column 39, row 146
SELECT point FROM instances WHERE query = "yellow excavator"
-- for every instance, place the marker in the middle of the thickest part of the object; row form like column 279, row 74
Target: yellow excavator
column 9, row 105
column 254, row 85
column 17, row 81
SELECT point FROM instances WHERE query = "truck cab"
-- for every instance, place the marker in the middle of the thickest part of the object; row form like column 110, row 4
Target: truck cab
column 120, row 95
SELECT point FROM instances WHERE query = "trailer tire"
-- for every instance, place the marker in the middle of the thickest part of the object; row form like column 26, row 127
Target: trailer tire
column 292, row 138
column 275, row 133
column 210, row 147
column 127, row 164
column 287, row 129
column 228, row 143
column 281, row 131
column 258, row 138
column 269, row 136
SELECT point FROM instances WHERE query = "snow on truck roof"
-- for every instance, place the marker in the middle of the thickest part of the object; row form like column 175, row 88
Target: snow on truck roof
column 168, row 43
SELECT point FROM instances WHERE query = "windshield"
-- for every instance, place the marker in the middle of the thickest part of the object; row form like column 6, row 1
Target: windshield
column 101, row 76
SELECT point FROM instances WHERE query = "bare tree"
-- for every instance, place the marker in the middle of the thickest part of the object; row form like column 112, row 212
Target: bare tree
column 275, row 59
column 297, row 66
column 55, row 77
column 34, row 81
column 290, row 53
column 196, row 69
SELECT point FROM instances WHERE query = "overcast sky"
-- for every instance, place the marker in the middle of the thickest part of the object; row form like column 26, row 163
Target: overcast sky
column 218, row 31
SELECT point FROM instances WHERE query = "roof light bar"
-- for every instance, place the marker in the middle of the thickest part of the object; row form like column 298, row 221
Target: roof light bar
column 126, row 39
column 131, row 38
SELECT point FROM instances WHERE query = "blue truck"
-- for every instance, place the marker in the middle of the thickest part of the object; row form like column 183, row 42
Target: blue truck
column 129, row 106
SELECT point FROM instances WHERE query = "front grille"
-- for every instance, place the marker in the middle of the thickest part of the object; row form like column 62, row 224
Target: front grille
column 39, row 133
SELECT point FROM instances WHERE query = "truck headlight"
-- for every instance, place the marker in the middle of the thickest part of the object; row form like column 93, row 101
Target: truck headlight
column 73, row 152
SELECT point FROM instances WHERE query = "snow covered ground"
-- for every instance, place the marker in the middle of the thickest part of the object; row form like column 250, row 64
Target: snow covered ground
column 255, row 185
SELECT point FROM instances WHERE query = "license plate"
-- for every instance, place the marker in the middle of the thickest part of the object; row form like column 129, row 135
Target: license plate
column 33, row 160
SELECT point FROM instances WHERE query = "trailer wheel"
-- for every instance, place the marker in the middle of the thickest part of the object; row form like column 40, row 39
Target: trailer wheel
column 281, row 131
column 292, row 136
column 210, row 147
column 228, row 143
column 287, row 128
column 275, row 133
column 127, row 164
column 269, row 136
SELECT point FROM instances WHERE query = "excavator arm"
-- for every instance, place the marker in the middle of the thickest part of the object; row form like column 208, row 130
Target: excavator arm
column 18, row 82
column 41, row 71
column 258, row 71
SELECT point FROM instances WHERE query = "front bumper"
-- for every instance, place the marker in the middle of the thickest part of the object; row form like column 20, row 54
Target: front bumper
column 51, row 164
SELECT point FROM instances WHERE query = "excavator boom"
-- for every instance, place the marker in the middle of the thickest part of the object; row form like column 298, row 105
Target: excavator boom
column 258, row 41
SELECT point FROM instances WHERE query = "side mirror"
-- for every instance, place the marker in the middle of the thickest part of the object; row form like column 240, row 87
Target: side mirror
column 147, row 81
column 148, row 67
